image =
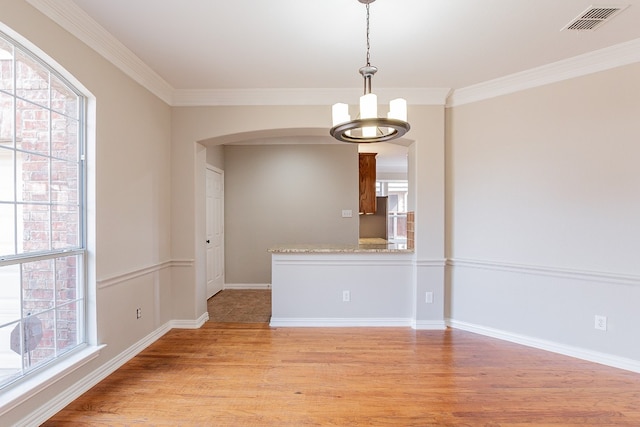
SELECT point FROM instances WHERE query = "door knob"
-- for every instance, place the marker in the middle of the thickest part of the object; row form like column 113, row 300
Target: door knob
column 208, row 241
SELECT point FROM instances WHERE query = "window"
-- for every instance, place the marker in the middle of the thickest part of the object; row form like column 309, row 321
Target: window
column 42, row 216
column 398, row 192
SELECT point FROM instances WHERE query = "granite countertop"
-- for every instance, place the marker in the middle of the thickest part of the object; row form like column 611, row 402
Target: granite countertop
column 365, row 245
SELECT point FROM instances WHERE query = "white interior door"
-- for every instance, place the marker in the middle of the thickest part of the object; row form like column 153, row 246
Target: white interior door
column 215, row 231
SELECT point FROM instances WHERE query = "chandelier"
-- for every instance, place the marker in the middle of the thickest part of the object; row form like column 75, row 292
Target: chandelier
column 369, row 127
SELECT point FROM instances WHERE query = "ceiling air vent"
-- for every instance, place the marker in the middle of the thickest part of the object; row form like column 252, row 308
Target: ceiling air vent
column 594, row 17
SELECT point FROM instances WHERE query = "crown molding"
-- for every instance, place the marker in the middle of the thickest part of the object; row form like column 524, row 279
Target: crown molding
column 73, row 19
column 303, row 96
column 581, row 65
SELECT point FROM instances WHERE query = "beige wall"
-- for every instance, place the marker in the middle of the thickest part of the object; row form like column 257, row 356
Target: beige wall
column 546, row 179
column 129, row 162
column 543, row 178
column 550, row 176
column 196, row 127
column 215, row 156
column 543, row 207
column 147, row 164
column 285, row 194
column 193, row 129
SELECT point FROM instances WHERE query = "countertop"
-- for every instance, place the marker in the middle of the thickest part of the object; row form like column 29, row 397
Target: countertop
column 365, row 245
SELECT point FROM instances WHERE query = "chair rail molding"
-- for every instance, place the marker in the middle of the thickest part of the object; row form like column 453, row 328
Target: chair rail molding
column 557, row 272
column 142, row 271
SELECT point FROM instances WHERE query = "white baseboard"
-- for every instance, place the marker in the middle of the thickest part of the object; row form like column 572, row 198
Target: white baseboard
column 429, row 325
column 578, row 353
column 247, row 286
column 59, row 402
column 190, row 324
column 436, row 325
column 17, row 394
column 56, row 404
column 339, row 322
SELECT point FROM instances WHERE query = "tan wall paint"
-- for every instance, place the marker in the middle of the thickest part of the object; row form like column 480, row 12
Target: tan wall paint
column 130, row 167
column 211, row 126
column 543, row 204
column 285, row 194
column 547, row 176
column 149, row 172
column 550, row 176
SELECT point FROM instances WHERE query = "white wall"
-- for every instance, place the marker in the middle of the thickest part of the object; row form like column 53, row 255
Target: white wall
column 543, row 214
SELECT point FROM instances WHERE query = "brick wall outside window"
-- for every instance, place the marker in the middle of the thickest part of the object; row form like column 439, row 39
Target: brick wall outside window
column 42, row 121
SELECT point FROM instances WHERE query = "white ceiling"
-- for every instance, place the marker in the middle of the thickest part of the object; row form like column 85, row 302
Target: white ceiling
column 236, row 44
column 195, row 52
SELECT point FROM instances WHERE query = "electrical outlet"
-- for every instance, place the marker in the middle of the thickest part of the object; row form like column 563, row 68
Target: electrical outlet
column 346, row 296
column 429, row 298
column 138, row 313
column 601, row 323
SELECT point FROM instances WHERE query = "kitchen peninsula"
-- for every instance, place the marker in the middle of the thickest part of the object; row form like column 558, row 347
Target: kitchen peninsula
column 369, row 284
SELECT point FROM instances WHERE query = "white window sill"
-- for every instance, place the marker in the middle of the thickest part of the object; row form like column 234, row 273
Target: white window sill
column 34, row 383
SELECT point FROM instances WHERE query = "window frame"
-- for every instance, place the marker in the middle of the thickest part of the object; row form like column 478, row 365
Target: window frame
column 82, row 298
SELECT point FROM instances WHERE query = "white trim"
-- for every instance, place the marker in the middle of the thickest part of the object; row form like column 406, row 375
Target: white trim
column 34, row 383
column 349, row 262
column 247, row 286
column 56, row 404
column 27, row 389
column 581, row 65
column 215, row 169
column 339, row 322
column 579, row 353
column 302, row 96
column 52, row 63
column 190, row 324
column 75, row 20
column 120, row 278
column 431, row 263
column 564, row 273
column 429, row 325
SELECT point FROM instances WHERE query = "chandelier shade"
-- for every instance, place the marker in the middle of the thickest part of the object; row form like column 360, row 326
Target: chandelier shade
column 368, row 127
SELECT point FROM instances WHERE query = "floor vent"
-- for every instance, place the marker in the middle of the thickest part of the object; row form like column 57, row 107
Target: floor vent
column 594, row 17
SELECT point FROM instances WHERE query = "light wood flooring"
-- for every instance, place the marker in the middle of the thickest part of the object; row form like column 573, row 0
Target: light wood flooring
column 231, row 374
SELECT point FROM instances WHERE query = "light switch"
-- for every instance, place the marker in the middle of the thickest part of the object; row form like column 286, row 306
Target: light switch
column 347, row 213
column 429, row 298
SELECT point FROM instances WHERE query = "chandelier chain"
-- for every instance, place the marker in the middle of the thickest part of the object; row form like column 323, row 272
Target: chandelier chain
column 368, row 41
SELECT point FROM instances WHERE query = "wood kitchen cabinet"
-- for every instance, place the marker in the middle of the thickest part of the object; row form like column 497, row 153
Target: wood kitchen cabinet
column 367, row 174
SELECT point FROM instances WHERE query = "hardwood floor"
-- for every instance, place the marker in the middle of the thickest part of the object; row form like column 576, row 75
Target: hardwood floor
column 227, row 374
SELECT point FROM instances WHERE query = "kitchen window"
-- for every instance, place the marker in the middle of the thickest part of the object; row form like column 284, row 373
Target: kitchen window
column 397, row 192
column 42, row 214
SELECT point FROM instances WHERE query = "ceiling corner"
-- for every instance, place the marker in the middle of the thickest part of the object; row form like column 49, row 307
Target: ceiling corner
column 73, row 19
